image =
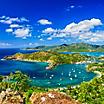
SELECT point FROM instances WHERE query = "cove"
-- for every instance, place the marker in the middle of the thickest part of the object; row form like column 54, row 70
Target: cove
column 61, row 76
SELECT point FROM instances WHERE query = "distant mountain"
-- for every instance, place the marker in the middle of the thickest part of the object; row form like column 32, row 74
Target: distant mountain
column 64, row 45
column 75, row 47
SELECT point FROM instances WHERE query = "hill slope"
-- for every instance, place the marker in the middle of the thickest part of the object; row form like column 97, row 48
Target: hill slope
column 75, row 47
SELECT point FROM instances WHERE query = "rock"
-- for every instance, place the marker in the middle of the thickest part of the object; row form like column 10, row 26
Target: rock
column 52, row 97
column 11, row 97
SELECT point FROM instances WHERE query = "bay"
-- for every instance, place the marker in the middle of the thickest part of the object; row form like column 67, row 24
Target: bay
column 61, row 76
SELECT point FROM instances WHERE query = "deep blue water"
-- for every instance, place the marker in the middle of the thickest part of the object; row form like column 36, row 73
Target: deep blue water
column 63, row 75
column 11, row 51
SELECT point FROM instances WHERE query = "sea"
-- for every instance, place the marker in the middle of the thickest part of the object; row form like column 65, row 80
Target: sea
column 61, row 76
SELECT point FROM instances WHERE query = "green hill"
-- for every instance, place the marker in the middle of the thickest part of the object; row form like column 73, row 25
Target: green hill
column 75, row 47
column 53, row 58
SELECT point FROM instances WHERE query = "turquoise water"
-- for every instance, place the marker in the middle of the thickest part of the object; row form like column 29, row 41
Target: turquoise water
column 61, row 76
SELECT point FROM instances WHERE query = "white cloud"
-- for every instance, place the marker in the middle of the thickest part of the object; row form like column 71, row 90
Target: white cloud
column 14, row 19
column 9, row 30
column 97, row 37
column 23, row 19
column 78, row 31
column 92, row 37
column 17, row 26
column 44, row 22
column 41, row 39
column 82, row 26
column 74, row 29
column 2, row 17
column 6, row 21
column 49, row 38
column 69, row 8
column 55, row 33
column 10, row 20
column 72, row 6
column 49, row 30
column 39, row 36
column 14, row 26
column 22, row 33
column 93, row 40
column 30, row 44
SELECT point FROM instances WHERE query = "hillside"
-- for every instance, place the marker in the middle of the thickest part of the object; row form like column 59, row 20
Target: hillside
column 75, row 47
column 53, row 58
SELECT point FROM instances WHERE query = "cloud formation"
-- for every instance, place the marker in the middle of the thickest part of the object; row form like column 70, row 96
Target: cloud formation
column 72, row 6
column 17, row 26
column 82, row 26
column 10, row 20
column 92, row 37
column 49, row 30
column 84, row 31
column 44, row 22
column 22, row 33
column 81, row 31
column 9, row 30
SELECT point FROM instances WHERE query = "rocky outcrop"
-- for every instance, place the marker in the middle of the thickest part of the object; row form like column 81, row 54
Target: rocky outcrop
column 52, row 97
column 11, row 97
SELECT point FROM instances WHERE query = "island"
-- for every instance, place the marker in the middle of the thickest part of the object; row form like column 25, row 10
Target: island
column 52, row 58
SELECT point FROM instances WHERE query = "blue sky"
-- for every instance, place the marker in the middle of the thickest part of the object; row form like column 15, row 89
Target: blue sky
column 28, row 23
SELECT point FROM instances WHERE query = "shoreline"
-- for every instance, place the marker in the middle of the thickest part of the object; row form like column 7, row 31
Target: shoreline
column 50, row 64
column 99, row 74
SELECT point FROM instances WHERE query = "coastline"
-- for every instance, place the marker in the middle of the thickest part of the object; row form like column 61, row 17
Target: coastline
column 49, row 62
column 49, row 67
column 99, row 74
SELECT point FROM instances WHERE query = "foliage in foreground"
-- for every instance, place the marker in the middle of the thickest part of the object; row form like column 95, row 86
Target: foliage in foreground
column 19, row 82
column 88, row 92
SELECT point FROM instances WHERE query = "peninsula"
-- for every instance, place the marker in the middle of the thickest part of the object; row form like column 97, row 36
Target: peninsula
column 53, row 58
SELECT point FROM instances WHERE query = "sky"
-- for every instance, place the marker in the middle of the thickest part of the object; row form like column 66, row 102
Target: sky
column 30, row 23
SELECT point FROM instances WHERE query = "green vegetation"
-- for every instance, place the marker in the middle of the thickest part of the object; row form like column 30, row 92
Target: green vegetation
column 96, row 67
column 101, row 58
column 53, row 58
column 89, row 92
column 75, row 47
column 19, row 82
